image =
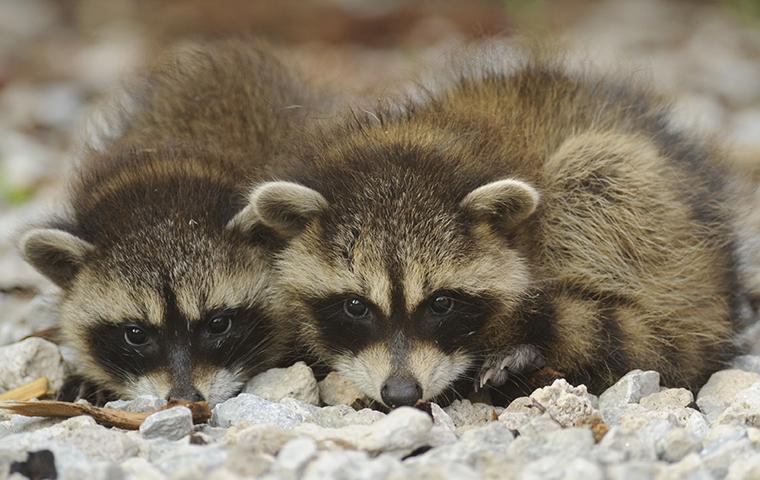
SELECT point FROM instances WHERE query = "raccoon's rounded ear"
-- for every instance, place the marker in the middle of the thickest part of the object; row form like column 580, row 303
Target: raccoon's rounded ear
column 285, row 207
column 54, row 253
column 507, row 201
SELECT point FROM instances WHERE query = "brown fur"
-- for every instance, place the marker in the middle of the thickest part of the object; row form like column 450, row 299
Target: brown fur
column 627, row 261
column 148, row 238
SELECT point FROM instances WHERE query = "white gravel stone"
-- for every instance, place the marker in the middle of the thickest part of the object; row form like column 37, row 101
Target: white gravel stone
column 568, row 442
column 564, row 403
column 77, row 443
column 296, row 453
column 253, row 409
column 629, row 444
column 401, row 431
column 472, row 449
column 28, row 360
column 138, row 468
column 296, row 381
column 744, row 410
column 464, row 413
column 690, row 467
column 678, row 443
column 342, row 415
column 560, row 468
column 173, row 423
column 668, row 398
column 141, row 404
column 336, row 389
column 634, row 470
column 721, row 390
column 630, row 389
column 351, row 465
column 745, row 468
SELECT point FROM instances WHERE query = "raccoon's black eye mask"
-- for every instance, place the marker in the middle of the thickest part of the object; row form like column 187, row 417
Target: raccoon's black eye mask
column 350, row 322
column 224, row 338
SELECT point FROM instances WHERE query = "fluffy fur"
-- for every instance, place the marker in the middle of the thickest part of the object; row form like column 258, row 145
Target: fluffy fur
column 148, row 241
column 557, row 213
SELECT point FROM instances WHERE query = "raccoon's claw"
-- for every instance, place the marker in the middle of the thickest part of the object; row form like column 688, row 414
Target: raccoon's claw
column 497, row 367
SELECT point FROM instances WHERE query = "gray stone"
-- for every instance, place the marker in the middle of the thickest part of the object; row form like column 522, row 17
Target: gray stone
column 336, row 389
column 744, row 410
column 77, row 443
column 138, row 468
column 264, row 438
column 745, row 468
column 564, row 403
column 296, row 381
column 253, row 409
column 464, row 413
column 173, row 423
column 342, row 415
column 630, row 389
column 717, row 458
column 559, row 467
column 668, row 398
column 689, row 467
column 296, row 453
column 678, row 443
column 350, row 465
column 28, row 360
column 474, row 445
column 629, row 444
column 141, row 404
column 400, row 432
column 721, row 390
column 179, row 460
column 635, row 470
column 568, row 442
column 247, row 463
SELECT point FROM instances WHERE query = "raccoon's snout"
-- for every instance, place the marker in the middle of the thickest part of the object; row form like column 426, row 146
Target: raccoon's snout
column 401, row 391
column 189, row 393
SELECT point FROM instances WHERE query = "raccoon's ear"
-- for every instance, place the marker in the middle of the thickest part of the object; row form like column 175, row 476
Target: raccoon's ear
column 54, row 253
column 507, row 201
column 285, row 207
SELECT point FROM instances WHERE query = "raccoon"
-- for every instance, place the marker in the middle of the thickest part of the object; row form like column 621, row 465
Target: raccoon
column 162, row 270
column 525, row 215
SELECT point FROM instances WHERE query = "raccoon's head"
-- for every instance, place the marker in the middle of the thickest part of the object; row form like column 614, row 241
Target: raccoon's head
column 398, row 265
column 173, row 308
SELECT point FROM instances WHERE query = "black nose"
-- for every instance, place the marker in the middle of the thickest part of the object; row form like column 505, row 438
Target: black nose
column 400, row 391
column 189, row 393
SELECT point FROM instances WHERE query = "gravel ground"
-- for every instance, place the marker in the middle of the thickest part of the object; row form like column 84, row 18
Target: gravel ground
column 59, row 58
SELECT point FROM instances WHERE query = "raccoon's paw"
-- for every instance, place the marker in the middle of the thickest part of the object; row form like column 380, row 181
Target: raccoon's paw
column 78, row 388
column 514, row 360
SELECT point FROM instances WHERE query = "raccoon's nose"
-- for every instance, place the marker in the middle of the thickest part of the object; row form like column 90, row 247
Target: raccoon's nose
column 189, row 393
column 400, row 391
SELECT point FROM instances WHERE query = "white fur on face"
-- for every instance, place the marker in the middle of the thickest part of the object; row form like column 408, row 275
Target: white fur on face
column 433, row 369
column 220, row 386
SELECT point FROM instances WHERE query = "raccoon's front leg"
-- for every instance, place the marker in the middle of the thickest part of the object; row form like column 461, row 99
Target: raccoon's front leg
column 498, row 366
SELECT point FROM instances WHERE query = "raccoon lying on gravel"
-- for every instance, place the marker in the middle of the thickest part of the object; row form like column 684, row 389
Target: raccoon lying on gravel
column 521, row 216
column 162, row 269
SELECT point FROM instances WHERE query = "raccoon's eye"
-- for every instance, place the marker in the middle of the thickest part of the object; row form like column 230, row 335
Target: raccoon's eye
column 219, row 325
column 441, row 305
column 355, row 308
column 135, row 336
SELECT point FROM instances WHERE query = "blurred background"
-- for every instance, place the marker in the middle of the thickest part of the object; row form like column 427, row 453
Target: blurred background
column 58, row 58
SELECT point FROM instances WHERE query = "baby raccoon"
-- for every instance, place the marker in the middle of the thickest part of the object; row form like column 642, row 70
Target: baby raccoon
column 523, row 216
column 161, row 267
